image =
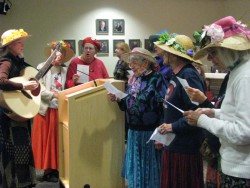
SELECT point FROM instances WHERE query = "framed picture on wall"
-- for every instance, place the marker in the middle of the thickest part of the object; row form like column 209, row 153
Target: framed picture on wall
column 134, row 43
column 104, row 47
column 118, row 27
column 148, row 46
column 102, row 26
column 72, row 44
column 115, row 42
column 80, row 47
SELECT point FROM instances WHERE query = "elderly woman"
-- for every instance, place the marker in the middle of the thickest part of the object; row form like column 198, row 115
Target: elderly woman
column 227, row 41
column 182, row 157
column 95, row 68
column 16, row 159
column 45, row 123
column 143, row 107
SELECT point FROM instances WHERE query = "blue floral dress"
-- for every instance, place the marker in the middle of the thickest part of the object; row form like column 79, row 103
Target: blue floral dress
column 144, row 112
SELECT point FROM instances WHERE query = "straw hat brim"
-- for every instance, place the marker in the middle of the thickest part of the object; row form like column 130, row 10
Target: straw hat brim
column 6, row 44
column 176, row 52
column 125, row 57
column 236, row 42
column 69, row 53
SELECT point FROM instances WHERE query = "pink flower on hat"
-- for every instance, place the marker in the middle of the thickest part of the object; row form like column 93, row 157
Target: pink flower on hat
column 215, row 32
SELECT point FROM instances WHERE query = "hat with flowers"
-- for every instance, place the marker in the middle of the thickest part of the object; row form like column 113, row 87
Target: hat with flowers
column 11, row 35
column 180, row 45
column 225, row 33
column 66, row 50
column 92, row 41
column 142, row 53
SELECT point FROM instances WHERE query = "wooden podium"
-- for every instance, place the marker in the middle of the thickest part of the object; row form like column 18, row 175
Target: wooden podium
column 91, row 137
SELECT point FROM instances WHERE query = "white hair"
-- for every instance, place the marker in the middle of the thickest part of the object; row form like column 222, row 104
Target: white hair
column 231, row 57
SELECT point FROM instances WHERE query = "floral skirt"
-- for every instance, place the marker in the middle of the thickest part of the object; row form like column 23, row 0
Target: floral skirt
column 181, row 170
column 233, row 182
column 16, row 159
column 142, row 162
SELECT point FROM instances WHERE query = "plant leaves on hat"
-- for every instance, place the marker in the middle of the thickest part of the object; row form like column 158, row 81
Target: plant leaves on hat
column 169, row 40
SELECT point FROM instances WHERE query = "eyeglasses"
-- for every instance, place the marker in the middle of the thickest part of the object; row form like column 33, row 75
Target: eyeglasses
column 89, row 48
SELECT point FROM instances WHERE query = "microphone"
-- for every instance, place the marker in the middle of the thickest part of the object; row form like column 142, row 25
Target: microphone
column 84, row 74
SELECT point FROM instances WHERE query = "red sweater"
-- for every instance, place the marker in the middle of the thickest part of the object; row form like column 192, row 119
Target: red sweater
column 97, row 70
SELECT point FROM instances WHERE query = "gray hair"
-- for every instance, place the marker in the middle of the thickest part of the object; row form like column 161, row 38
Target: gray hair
column 231, row 57
column 4, row 51
column 136, row 57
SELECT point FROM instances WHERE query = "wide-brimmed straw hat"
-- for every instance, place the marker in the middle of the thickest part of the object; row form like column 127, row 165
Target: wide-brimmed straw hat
column 11, row 35
column 142, row 53
column 180, row 45
column 66, row 50
column 224, row 33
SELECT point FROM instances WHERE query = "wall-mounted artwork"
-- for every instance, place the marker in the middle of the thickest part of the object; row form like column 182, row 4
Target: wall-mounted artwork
column 148, row 46
column 72, row 44
column 134, row 43
column 104, row 47
column 118, row 27
column 115, row 42
column 102, row 26
column 80, row 47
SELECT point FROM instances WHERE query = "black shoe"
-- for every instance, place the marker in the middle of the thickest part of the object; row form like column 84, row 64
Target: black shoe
column 52, row 176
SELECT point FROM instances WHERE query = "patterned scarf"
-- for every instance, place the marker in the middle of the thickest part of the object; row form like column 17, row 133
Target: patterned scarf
column 135, row 83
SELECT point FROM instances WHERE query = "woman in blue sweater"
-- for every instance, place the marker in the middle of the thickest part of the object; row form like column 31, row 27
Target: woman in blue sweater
column 182, row 157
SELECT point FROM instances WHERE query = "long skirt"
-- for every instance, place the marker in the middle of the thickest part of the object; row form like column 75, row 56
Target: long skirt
column 16, row 159
column 45, row 140
column 142, row 162
column 234, row 182
column 181, row 170
column 213, row 174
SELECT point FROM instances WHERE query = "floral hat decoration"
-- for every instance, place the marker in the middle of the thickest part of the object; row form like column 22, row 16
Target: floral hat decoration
column 11, row 35
column 66, row 50
column 180, row 45
column 225, row 33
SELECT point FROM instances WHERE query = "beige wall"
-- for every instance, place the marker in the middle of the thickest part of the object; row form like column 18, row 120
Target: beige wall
column 48, row 20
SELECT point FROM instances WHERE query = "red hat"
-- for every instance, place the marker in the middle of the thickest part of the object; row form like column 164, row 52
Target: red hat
column 92, row 41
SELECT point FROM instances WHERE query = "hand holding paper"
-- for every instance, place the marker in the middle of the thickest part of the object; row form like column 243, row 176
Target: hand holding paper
column 112, row 89
column 185, row 84
column 165, row 139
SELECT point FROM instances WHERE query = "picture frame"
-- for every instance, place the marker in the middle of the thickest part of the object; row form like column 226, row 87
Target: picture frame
column 148, row 46
column 102, row 26
column 72, row 44
column 104, row 47
column 80, row 47
column 133, row 43
column 118, row 27
column 115, row 42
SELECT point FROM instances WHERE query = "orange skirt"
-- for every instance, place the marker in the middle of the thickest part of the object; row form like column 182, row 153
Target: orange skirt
column 45, row 140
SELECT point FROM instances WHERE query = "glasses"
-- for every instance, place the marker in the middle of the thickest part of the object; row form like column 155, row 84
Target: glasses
column 89, row 48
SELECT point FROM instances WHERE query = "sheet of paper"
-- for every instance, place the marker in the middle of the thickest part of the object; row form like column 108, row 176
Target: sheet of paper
column 175, row 107
column 185, row 84
column 112, row 89
column 165, row 139
column 131, row 73
column 81, row 69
